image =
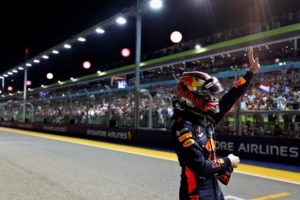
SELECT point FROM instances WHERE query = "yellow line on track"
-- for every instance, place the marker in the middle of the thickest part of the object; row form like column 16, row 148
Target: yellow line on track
column 94, row 143
column 272, row 196
column 270, row 172
column 283, row 175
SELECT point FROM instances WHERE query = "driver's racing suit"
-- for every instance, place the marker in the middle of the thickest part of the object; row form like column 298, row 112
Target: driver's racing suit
column 195, row 144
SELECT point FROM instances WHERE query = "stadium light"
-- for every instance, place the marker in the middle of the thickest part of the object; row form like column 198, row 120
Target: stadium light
column 36, row 61
column 55, row 51
column 5, row 75
column 49, row 76
column 197, row 46
column 10, row 88
column 10, row 73
column 28, row 64
column 155, row 4
column 81, row 39
column 176, row 37
column 100, row 30
column 86, row 64
column 125, row 52
column 15, row 71
column 121, row 20
column 20, row 68
column 67, row 46
column 28, row 82
column 45, row 57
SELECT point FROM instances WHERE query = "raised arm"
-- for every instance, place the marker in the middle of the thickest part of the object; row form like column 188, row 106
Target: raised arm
column 232, row 96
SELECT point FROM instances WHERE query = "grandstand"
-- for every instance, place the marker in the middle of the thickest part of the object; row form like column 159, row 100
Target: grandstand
column 98, row 100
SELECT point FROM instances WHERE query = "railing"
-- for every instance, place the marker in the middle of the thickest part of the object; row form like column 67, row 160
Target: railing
column 94, row 110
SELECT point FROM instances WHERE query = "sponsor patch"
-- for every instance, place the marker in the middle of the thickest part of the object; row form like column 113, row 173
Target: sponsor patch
column 188, row 143
column 185, row 136
column 240, row 82
column 184, row 130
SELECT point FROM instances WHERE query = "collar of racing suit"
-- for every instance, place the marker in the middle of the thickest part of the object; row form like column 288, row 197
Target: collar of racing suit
column 203, row 120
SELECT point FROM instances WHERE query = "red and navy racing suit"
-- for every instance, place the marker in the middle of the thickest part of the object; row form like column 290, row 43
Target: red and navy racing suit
column 195, row 145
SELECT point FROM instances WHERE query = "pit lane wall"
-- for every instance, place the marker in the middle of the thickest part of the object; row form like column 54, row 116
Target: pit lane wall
column 267, row 149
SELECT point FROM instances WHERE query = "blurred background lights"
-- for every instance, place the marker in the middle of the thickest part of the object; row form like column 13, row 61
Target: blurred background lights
column 49, row 76
column 155, row 4
column 198, row 46
column 121, row 20
column 176, row 37
column 125, row 52
column 28, row 82
column 10, row 88
column 86, row 65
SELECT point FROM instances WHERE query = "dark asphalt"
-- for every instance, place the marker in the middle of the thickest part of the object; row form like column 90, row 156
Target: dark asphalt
column 33, row 168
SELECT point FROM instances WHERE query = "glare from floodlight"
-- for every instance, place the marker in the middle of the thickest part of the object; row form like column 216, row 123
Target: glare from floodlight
column 20, row 68
column 86, row 64
column 100, row 30
column 176, row 37
column 67, row 46
column 28, row 82
column 121, row 20
column 125, row 52
column 49, row 76
column 10, row 88
column 45, row 57
column 28, row 64
column 9, row 73
column 15, row 71
column 81, row 39
column 198, row 46
column 55, row 52
column 5, row 75
column 155, row 4
column 36, row 61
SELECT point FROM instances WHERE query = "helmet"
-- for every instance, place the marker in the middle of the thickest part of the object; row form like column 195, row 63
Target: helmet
column 199, row 93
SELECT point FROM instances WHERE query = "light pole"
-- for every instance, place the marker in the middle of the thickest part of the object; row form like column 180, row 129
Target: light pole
column 3, row 80
column 25, row 87
column 155, row 4
column 137, row 63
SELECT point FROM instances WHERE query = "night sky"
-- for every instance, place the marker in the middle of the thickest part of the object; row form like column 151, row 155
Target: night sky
column 40, row 25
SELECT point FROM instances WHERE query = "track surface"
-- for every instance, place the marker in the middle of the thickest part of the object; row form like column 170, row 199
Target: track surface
column 34, row 168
